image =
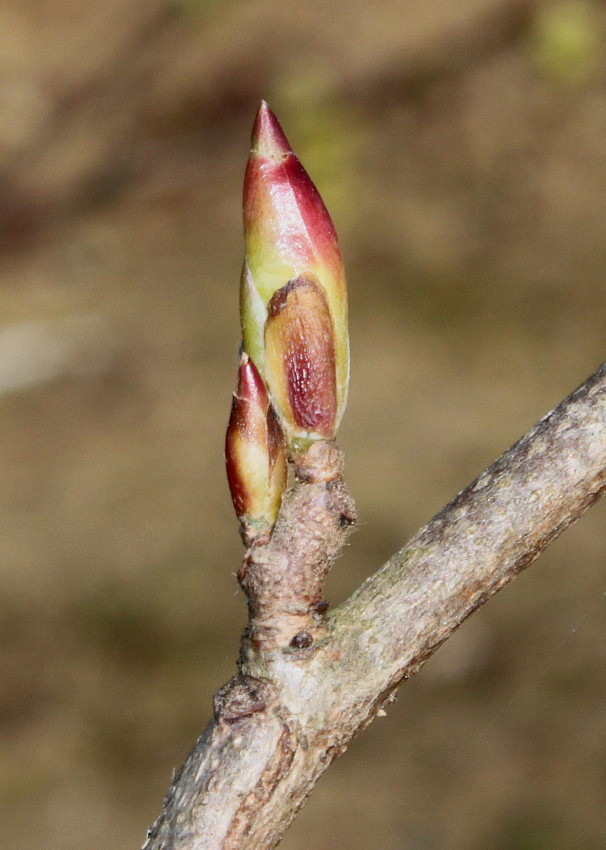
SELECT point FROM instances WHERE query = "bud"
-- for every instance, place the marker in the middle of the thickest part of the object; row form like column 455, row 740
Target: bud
column 255, row 455
column 289, row 236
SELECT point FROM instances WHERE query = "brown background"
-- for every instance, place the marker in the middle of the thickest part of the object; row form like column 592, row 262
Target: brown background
column 461, row 147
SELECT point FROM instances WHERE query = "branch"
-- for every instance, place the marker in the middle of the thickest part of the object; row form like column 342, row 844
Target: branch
column 292, row 709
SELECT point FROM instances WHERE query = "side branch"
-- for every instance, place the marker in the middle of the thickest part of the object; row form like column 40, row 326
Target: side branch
column 291, row 711
column 283, row 577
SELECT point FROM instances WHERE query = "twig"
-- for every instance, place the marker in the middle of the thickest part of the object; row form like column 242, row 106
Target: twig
column 294, row 707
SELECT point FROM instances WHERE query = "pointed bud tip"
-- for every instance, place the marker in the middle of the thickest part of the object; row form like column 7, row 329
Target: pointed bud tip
column 250, row 384
column 268, row 138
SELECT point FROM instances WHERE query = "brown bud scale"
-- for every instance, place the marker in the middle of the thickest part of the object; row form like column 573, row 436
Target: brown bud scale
column 300, row 356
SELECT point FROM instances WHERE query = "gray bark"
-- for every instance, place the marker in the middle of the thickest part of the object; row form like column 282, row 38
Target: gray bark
column 293, row 708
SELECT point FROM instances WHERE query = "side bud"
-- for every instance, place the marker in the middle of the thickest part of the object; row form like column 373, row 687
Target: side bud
column 289, row 236
column 255, row 455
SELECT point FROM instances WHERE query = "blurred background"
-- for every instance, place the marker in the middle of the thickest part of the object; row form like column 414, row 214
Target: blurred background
column 461, row 147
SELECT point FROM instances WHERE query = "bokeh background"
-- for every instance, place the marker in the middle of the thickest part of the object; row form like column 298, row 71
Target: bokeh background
column 461, row 146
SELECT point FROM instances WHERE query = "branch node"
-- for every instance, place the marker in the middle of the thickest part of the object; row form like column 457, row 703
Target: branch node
column 242, row 696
